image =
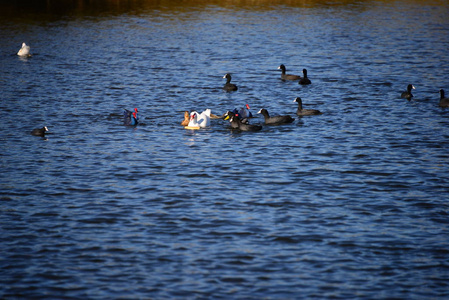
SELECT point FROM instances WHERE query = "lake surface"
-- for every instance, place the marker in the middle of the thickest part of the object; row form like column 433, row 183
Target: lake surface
column 350, row 204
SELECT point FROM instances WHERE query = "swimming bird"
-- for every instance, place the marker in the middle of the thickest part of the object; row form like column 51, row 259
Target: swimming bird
column 444, row 101
column 287, row 76
column 130, row 118
column 305, row 112
column 408, row 93
column 39, row 131
column 235, row 121
column 276, row 120
column 186, row 120
column 304, row 80
column 230, row 114
column 193, row 123
column 24, row 51
column 229, row 87
column 202, row 119
column 245, row 112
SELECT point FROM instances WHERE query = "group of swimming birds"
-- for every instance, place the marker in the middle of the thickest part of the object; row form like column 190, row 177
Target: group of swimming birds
column 444, row 101
column 238, row 118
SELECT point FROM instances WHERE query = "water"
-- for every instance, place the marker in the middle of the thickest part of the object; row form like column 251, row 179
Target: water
column 348, row 204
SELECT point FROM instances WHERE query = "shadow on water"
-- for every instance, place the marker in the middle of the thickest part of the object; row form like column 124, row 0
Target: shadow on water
column 10, row 9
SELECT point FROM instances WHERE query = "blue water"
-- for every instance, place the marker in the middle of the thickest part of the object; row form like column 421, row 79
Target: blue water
column 350, row 204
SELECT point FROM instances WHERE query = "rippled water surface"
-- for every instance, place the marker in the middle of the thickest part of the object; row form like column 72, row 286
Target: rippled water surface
column 349, row 204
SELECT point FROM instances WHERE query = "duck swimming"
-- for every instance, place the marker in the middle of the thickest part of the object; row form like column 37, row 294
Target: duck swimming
column 204, row 118
column 237, row 123
column 305, row 112
column 408, row 93
column 444, row 101
column 287, row 76
column 245, row 112
column 39, row 131
column 24, row 51
column 130, row 118
column 276, row 120
column 234, row 121
column 229, row 114
column 193, row 123
column 229, row 87
column 198, row 121
column 186, row 120
column 304, row 80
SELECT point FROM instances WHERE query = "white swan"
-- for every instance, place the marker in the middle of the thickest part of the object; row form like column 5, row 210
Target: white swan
column 204, row 118
column 198, row 121
column 24, row 51
column 193, row 123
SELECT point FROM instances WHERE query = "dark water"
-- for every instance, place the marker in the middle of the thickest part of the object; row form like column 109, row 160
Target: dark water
column 351, row 204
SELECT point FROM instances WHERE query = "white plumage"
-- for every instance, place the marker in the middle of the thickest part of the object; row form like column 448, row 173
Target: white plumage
column 201, row 120
column 24, row 51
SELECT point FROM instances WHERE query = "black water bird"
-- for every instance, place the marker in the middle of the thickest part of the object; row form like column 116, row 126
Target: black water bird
column 276, row 120
column 234, row 124
column 304, row 80
column 285, row 76
column 229, row 87
column 39, row 131
column 444, row 101
column 408, row 93
column 305, row 112
column 244, row 126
